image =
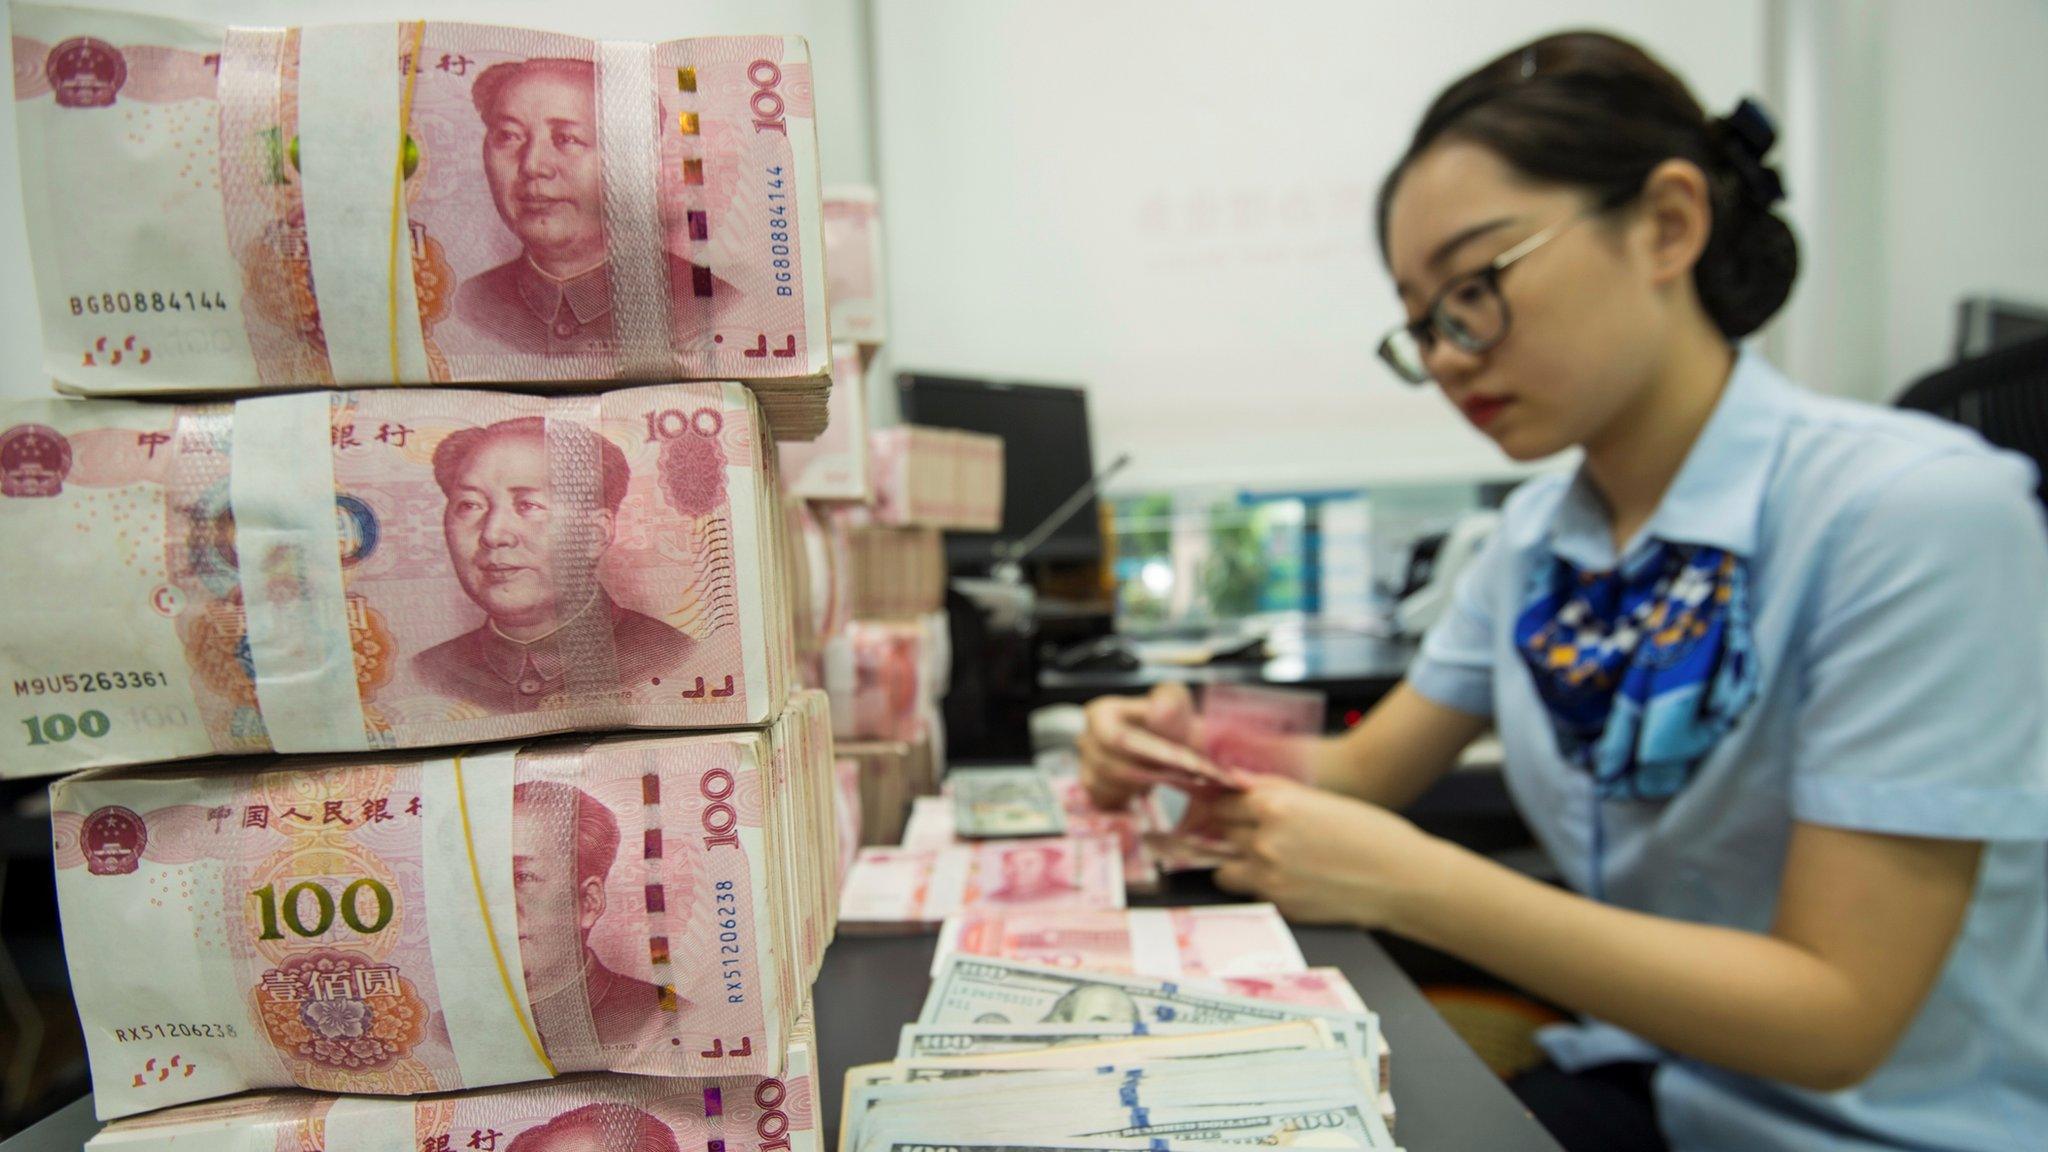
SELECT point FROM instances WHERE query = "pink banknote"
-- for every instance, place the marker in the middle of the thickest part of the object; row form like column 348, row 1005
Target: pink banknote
column 575, row 1114
column 1253, row 727
column 853, row 253
column 1210, row 941
column 1244, row 729
column 931, row 826
column 1127, row 826
column 643, row 904
column 882, row 680
column 429, row 202
column 1315, row 988
column 936, row 478
column 846, row 806
column 384, row 569
column 834, row 467
column 894, row 888
column 894, row 573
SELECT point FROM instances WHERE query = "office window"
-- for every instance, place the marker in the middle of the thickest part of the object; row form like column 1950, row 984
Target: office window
column 1193, row 559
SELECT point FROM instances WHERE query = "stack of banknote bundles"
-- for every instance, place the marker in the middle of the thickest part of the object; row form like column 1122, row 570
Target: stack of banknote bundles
column 891, row 775
column 817, row 585
column 894, row 573
column 998, row 840
column 1029, row 838
column 937, row 478
column 848, row 810
column 831, row 471
column 436, row 740
column 886, row 677
column 1160, row 1027
column 885, row 680
column 933, row 825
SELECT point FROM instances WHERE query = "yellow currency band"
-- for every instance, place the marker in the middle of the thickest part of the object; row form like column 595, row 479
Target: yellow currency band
column 419, row 33
column 483, row 905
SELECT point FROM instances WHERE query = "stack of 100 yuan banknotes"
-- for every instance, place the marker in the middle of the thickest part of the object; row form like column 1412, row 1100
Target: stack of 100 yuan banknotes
column 431, row 611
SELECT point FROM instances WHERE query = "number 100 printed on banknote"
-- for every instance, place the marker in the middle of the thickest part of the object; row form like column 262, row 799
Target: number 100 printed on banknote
column 331, row 572
column 231, row 209
column 394, row 925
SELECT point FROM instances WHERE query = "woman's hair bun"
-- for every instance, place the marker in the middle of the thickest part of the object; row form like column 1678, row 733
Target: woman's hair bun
column 1592, row 111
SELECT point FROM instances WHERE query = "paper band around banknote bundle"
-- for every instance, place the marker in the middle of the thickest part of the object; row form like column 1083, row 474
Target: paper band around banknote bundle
column 626, row 135
column 339, row 572
column 466, row 859
column 343, row 227
column 355, row 218
column 281, row 489
column 655, row 905
column 472, row 1011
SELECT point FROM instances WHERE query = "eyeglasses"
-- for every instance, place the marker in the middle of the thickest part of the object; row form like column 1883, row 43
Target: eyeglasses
column 1469, row 311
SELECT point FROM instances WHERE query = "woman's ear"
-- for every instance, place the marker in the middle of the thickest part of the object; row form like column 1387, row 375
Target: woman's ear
column 1679, row 211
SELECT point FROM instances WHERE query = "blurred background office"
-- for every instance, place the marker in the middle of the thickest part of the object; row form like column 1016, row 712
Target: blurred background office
column 1135, row 237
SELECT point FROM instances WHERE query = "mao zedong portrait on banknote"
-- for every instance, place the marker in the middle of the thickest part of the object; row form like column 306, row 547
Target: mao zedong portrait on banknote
column 606, row 1126
column 546, row 176
column 566, row 982
column 545, row 607
column 1033, row 872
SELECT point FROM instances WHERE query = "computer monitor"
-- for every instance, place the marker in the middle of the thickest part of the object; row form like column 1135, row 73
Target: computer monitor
column 1985, row 324
column 1046, row 459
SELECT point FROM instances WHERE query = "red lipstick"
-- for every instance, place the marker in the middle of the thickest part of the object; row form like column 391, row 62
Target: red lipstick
column 1483, row 410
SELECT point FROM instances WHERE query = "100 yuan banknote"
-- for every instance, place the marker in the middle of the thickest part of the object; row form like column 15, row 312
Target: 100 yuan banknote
column 1213, row 941
column 413, row 926
column 382, row 569
column 576, row 1114
column 228, row 209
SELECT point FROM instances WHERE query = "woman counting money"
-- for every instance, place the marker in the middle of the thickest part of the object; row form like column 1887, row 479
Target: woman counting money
column 1767, row 666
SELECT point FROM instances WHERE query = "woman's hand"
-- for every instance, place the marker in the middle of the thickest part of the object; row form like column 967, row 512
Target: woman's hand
column 1324, row 858
column 1133, row 742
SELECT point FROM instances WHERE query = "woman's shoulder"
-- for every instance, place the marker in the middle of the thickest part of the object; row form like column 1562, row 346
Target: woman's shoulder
column 1861, row 450
column 1851, row 471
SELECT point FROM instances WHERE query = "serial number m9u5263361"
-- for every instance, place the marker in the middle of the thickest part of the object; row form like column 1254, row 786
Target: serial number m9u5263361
column 64, row 683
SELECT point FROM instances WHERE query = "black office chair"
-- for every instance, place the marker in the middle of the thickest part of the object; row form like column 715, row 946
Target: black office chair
column 2002, row 394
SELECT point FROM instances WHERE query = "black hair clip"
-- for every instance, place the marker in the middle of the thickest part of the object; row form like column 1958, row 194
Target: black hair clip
column 1745, row 136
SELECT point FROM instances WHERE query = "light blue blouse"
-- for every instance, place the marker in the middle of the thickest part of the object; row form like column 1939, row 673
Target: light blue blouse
column 1899, row 572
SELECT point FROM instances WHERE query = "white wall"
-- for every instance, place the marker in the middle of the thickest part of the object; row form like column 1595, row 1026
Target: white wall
column 1966, row 176
column 1917, row 159
column 836, row 29
column 1169, row 200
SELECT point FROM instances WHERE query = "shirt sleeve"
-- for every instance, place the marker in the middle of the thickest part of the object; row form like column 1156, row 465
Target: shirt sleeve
column 1455, row 666
column 1925, row 680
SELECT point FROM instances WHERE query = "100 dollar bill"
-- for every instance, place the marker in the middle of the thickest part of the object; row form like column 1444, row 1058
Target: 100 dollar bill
column 1269, row 1098
column 928, row 1042
column 382, row 569
column 229, row 209
column 992, row 803
column 973, row 990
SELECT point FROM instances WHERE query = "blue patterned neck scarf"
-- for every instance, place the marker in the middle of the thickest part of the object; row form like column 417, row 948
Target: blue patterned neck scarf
column 1643, row 668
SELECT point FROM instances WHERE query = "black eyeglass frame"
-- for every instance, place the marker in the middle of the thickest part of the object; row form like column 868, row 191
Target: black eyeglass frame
column 1434, row 323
